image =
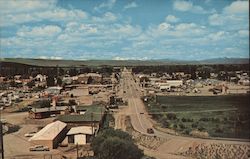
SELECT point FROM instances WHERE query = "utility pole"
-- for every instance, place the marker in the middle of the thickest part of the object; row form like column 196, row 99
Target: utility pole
column 92, row 122
column 1, row 140
column 77, row 154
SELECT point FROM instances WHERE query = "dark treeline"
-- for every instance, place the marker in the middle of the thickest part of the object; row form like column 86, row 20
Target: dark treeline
column 9, row 70
column 189, row 69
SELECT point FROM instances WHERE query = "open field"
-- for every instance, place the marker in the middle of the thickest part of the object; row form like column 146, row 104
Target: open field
column 220, row 116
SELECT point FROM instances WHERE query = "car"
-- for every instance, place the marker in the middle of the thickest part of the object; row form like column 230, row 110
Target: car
column 150, row 131
column 30, row 134
column 39, row 148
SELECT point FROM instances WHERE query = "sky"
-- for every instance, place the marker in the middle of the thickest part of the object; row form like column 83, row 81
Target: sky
column 124, row 29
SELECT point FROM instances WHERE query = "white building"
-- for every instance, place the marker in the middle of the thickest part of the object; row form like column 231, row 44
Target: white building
column 80, row 135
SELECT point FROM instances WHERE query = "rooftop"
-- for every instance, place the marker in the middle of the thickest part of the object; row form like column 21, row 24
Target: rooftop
column 40, row 110
column 49, row 132
column 81, row 130
column 93, row 113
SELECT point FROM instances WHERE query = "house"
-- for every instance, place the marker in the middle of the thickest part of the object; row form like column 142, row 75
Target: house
column 51, row 135
column 40, row 113
column 80, row 135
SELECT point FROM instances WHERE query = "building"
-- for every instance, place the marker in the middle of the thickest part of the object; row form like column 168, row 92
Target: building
column 89, row 78
column 40, row 113
column 80, row 135
column 51, row 135
column 53, row 90
column 80, row 91
column 175, row 83
column 86, row 116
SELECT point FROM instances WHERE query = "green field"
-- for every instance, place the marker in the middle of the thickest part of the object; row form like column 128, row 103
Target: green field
column 220, row 116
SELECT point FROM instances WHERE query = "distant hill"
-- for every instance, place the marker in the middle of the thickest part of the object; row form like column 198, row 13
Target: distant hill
column 76, row 63
column 226, row 61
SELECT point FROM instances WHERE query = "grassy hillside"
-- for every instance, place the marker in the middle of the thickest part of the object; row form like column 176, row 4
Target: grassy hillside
column 76, row 63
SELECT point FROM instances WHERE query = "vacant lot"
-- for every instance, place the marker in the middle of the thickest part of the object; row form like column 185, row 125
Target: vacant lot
column 220, row 116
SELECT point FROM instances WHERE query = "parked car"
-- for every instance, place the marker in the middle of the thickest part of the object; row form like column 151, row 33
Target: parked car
column 39, row 148
column 30, row 134
column 150, row 131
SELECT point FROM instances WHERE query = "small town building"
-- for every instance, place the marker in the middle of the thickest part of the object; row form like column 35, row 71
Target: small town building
column 80, row 135
column 51, row 135
column 80, row 91
column 53, row 90
column 40, row 113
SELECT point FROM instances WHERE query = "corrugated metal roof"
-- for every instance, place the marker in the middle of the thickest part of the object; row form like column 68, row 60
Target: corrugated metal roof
column 49, row 132
column 81, row 130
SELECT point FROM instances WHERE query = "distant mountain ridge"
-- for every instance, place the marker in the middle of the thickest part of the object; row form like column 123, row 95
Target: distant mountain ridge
column 76, row 63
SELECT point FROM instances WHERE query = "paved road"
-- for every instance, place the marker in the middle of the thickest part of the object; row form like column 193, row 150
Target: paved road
column 141, row 121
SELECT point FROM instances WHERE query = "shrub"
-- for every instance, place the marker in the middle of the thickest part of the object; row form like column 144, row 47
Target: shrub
column 171, row 116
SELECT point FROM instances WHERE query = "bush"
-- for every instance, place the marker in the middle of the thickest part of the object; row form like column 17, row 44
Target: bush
column 182, row 126
column 184, row 120
column 201, row 128
column 187, row 131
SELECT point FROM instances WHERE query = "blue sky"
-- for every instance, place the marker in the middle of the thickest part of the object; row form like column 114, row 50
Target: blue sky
column 124, row 29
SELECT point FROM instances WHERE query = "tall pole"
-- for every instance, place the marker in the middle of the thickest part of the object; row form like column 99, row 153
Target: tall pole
column 1, row 140
column 77, row 154
column 1, row 136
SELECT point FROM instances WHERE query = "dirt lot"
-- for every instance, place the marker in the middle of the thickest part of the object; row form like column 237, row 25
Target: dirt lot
column 16, row 145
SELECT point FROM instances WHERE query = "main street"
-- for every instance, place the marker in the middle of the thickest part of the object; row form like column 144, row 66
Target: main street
column 141, row 121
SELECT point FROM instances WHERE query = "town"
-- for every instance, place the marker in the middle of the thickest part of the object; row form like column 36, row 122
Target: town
column 58, row 112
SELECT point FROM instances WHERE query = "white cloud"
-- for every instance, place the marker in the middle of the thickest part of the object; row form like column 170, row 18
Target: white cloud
column 109, row 4
column 237, row 7
column 130, row 5
column 233, row 16
column 55, row 14
column 164, row 26
column 184, row 6
column 217, row 36
column 60, row 14
column 107, row 17
column 179, row 30
column 46, row 31
column 243, row 33
column 17, row 6
column 172, row 19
